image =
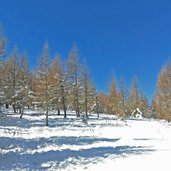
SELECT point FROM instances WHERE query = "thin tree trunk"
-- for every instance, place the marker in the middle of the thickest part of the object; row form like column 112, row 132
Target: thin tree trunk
column 22, row 112
column 46, row 103
column 86, row 110
column 86, row 94
column 65, row 114
column 63, row 99
column 64, row 106
column 7, row 106
column 77, row 105
column 14, row 108
column 46, row 115
column 97, row 107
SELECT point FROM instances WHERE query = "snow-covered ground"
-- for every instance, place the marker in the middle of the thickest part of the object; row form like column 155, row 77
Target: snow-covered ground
column 106, row 143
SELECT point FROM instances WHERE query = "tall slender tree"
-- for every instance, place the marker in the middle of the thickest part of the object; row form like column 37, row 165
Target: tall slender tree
column 23, row 84
column 163, row 93
column 134, row 96
column 11, row 79
column 74, row 73
column 143, row 104
column 59, row 82
column 2, row 64
column 44, row 93
column 89, row 92
column 114, row 97
column 103, row 101
column 123, row 99
column 2, row 45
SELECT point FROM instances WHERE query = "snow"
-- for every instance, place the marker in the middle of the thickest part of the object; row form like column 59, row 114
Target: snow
column 107, row 143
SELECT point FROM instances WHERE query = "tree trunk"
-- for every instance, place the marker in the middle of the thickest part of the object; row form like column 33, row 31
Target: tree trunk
column 46, row 115
column 86, row 110
column 14, row 108
column 58, row 111
column 64, row 106
column 22, row 112
column 65, row 115
column 97, row 107
column 63, row 100
column 7, row 106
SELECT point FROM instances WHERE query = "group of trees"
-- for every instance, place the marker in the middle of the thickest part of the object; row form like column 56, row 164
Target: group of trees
column 122, row 101
column 66, row 85
column 51, row 86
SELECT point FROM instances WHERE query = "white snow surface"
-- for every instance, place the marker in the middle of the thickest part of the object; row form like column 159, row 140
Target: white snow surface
column 107, row 143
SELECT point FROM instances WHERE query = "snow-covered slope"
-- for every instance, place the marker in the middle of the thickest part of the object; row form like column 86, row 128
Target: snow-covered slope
column 70, row 144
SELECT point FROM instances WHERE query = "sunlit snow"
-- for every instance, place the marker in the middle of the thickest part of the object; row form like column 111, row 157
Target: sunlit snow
column 104, row 143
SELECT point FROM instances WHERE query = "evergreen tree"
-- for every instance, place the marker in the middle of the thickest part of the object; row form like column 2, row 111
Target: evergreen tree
column 23, row 84
column 123, row 104
column 74, row 74
column 54, row 84
column 163, row 93
column 10, row 80
column 59, row 85
column 134, row 96
column 114, row 98
column 2, row 66
column 2, row 45
column 103, row 101
column 43, row 89
column 89, row 93
column 143, row 105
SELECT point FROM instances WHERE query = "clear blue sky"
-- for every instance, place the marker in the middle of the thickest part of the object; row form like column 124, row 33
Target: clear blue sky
column 127, row 37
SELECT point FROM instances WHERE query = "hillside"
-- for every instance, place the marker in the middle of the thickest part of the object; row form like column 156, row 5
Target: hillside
column 71, row 144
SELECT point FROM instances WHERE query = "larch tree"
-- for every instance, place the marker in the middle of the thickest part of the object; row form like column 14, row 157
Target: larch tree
column 143, row 104
column 2, row 66
column 163, row 93
column 89, row 92
column 2, row 45
column 63, row 86
column 74, row 74
column 114, row 97
column 23, row 84
column 43, row 82
column 59, row 85
column 11, row 79
column 134, row 96
column 55, row 84
column 32, row 100
column 103, row 102
column 123, row 104
column 153, row 108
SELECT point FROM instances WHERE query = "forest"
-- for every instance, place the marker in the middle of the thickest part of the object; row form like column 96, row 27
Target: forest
column 66, row 85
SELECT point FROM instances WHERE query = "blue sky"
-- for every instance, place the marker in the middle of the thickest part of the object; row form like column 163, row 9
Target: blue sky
column 126, row 37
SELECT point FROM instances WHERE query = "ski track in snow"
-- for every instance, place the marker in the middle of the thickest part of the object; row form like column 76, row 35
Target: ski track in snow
column 70, row 144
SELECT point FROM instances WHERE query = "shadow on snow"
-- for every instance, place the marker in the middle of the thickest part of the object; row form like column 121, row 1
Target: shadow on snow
column 21, row 160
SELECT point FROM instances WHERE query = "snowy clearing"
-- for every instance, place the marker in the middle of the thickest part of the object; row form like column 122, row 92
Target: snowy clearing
column 70, row 144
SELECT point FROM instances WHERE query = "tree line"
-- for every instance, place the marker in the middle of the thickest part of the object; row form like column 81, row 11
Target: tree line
column 60, row 85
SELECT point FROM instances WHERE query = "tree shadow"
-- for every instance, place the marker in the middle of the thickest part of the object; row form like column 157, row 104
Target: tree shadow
column 34, row 161
column 31, row 144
